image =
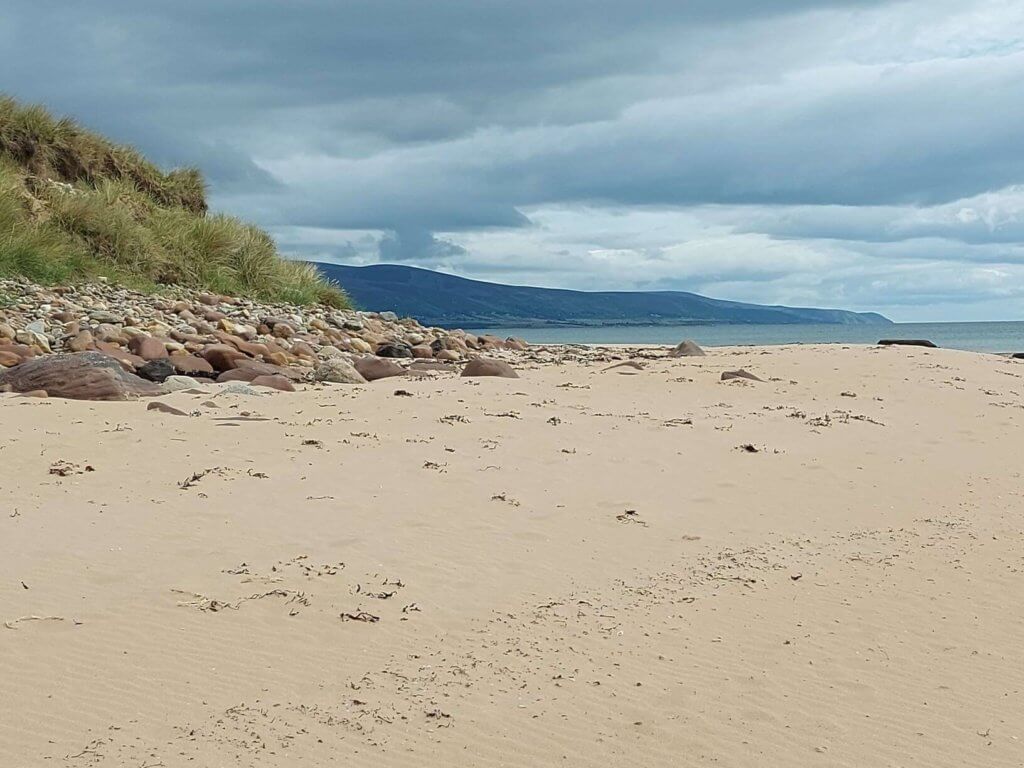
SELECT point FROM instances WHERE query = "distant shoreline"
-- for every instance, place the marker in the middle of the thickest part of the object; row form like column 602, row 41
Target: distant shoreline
column 996, row 337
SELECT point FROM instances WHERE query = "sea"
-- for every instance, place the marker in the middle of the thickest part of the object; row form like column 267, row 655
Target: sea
column 976, row 337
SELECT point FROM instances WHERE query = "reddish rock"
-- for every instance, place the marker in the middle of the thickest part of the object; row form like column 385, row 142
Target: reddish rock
column 79, row 376
column 274, row 382
column 482, row 366
column 209, row 299
column 7, row 359
column 82, row 342
column 222, row 357
column 236, row 374
column 422, row 351
column 302, row 349
column 190, row 365
column 248, row 347
column 127, row 359
column 23, row 351
column 259, row 368
column 518, row 344
column 373, row 368
column 491, row 342
column 65, row 316
column 147, row 347
column 278, row 358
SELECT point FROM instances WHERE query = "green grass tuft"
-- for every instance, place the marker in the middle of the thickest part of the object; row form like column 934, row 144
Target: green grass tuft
column 74, row 206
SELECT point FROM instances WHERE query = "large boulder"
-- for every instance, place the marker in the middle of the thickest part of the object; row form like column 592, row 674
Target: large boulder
column 78, row 376
column 338, row 371
column 483, row 366
column 687, row 348
column 373, row 368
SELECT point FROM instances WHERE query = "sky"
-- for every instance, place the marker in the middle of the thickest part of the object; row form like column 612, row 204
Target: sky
column 863, row 155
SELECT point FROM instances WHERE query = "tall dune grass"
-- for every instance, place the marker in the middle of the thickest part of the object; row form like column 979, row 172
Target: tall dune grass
column 74, row 206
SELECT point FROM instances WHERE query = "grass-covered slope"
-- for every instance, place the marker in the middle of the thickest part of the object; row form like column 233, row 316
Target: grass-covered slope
column 74, row 206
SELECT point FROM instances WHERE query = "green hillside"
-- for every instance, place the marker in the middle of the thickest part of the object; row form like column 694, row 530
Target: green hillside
column 74, row 206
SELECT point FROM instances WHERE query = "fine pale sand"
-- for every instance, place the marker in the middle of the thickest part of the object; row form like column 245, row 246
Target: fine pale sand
column 579, row 567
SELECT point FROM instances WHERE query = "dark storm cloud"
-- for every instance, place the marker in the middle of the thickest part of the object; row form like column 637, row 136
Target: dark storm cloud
column 262, row 77
column 408, row 244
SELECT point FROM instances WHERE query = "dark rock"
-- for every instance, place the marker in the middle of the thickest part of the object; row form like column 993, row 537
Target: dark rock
column 906, row 343
column 394, row 350
column 79, row 376
column 1017, row 356
column 687, row 348
column 482, row 366
column 373, row 368
column 740, row 374
column 156, row 370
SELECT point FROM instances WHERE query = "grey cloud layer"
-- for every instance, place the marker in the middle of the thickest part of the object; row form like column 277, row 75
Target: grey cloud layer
column 774, row 138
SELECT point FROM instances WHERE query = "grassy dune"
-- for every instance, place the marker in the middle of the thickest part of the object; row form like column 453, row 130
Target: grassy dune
column 74, row 206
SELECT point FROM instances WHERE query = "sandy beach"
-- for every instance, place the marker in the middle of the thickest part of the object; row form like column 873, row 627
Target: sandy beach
column 580, row 567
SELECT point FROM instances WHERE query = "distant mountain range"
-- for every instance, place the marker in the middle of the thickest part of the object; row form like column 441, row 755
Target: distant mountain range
column 447, row 301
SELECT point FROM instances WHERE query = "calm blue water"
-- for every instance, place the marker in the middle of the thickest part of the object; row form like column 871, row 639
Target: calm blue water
column 978, row 337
